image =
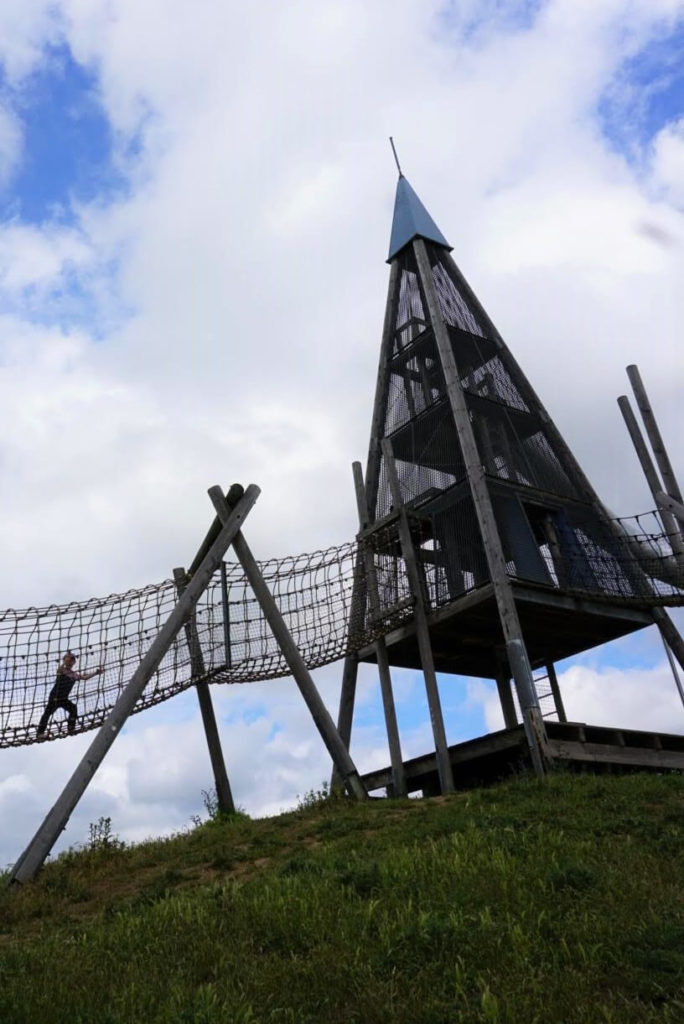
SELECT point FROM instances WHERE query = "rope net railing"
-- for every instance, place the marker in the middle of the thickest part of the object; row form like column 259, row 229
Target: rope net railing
column 324, row 599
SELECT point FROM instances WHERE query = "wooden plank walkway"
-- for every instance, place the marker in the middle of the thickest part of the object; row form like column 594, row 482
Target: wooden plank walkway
column 576, row 745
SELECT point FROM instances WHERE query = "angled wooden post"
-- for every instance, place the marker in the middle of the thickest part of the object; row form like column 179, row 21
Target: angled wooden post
column 223, row 794
column 673, row 667
column 307, row 687
column 653, row 432
column 345, row 714
column 484, row 511
column 670, row 505
column 503, row 686
column 555, row 691
column 35, row 853
column 444, row 770
column 669, row 633
column 670, row 524
column 394, row 742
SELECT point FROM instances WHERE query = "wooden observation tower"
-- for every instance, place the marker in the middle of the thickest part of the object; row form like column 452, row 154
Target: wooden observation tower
column 488, row 534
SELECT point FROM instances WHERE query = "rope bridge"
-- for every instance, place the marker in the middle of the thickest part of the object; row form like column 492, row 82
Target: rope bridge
column 322, row 597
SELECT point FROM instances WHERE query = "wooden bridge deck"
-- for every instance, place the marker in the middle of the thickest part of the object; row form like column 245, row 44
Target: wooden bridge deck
column 573, row 744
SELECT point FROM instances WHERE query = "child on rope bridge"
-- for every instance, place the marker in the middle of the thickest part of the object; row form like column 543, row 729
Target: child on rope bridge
column 59, row 694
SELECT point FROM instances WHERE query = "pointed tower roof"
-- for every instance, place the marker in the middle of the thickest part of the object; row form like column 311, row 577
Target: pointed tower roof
column 411, row 220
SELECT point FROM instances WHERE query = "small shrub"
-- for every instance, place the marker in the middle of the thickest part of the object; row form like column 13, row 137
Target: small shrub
column 101, row 836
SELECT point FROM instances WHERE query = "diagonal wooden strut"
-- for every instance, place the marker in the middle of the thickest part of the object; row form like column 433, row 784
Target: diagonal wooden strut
column 320, row 714
column 35, row 853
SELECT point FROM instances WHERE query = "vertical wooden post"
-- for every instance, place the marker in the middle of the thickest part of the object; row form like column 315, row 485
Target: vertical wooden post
column 35, row 853
column 226, row 615
column 223, row 794
column 350, row 671
column 302, row 676
column 444, row 769
column 508, row 615
column 555, row 691
column 396, row 761
column 345, row 715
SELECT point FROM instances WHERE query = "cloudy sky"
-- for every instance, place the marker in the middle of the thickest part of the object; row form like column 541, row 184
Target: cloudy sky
column 195, row 207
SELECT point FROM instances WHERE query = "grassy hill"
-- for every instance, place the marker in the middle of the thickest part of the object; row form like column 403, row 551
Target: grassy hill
column 559, row 902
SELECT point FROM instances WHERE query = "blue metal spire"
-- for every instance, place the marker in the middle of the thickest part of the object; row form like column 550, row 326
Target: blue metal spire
column 411, row 220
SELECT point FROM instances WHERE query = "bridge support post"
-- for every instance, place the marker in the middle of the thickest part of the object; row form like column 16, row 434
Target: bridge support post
column 393, row 740
column 320, row 714
column 223, row 794
column 35, row 853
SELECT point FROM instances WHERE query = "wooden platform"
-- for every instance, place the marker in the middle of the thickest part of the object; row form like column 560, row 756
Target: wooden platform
column 466, row 634
column 573, row 744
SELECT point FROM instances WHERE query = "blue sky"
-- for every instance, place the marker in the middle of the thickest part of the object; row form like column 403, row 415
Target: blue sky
column 68, row 152
column 193, row 226
column 646, row 94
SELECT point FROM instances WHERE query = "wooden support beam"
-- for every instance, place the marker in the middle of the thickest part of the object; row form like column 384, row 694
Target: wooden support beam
column 670, row 524
column 653, row 432
column 670, row 505
column 670, row 634
column 508, row 615
column 345, row 715
column 319, row 712
column 417, row 584
column 382, row 388
column 223, row 793
column 394, row 742
column 350, row 671
column 225, row 605
column 503, row 686
column 555, row 691
column 35, row 853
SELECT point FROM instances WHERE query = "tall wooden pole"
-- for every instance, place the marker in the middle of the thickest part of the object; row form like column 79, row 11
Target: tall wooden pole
column 35, row 853
column 555, row 691
column 654, row 436
column 652, row 479
column 381, row 389
column 673, row 667
column 394, row 742
column 345, row 715
column 444, row 769
column 319, row 712
column 503, row 686
column 223, row 794
column 503, row 592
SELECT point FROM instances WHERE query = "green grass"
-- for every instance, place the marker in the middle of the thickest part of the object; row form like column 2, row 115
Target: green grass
column 560, row 902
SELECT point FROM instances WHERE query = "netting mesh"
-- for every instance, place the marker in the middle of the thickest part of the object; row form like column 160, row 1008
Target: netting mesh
column 314, row 593
column 512, row 441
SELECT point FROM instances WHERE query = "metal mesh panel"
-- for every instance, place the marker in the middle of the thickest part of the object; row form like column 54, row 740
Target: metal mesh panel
column 456, row 562
column 453, row 306
column 489, row 378
column 410, row 305
column 419, row 482
column 416, row 382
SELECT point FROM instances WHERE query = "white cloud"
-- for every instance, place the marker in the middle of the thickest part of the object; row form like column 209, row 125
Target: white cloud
column 241, row 283
column 668, row 162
